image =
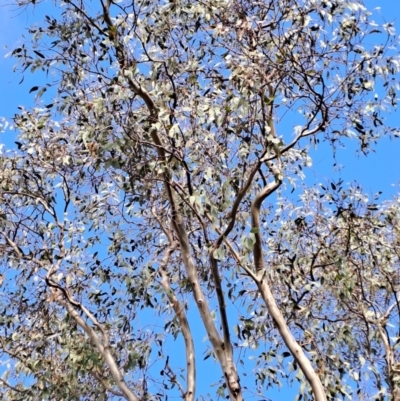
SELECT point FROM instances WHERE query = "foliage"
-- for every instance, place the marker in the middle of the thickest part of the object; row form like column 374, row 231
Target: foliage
column 136, row 195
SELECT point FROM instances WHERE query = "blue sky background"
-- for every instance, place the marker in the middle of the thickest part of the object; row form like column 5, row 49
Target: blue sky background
column 379, row 171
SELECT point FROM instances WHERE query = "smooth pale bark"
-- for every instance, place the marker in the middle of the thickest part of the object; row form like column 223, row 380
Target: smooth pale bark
column 392, row 367
column 293, row 346
column 189, row 394
column 266, row 293
column 187, row 336
column 228, row 368
column 102, row 346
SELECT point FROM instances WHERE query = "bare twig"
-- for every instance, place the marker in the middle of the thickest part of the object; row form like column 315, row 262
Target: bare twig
column 12, row 387
column 107, row 385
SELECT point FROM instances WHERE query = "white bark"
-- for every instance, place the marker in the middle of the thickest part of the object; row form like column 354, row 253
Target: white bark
column 102, row 345
column 189, row 395
column 266, row 294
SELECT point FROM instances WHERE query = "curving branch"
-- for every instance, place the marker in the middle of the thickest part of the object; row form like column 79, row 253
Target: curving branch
column 180, row 313
column 102, row 345
column 227, row 345
column 236, row 205
column 269, row 299
column 100, row 342
column 391, row 366
column 17, row 390
column 18, row 251
column 172, row 377
column 390, row 362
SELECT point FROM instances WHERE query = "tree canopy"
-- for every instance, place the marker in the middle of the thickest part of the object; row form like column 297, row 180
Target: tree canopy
column 149, row 198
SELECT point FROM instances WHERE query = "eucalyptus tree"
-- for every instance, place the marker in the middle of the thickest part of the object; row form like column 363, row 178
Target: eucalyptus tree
column 138, row 194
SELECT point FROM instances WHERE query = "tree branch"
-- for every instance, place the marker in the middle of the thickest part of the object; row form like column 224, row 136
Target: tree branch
column 266, row 293
column 180, row 313
column 107, row 386
column 102, row 346
column 12, row 387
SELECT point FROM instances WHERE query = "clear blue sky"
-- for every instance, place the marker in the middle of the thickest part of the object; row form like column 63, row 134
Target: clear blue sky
column 379, row 171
